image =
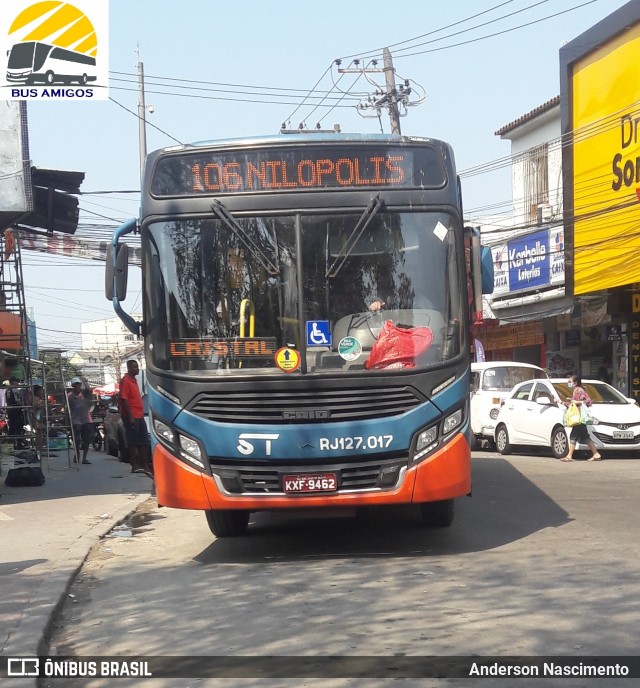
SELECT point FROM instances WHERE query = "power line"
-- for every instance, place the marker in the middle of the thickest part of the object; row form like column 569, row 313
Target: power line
column 377, row 51
column 135, row 114
column 497, row 33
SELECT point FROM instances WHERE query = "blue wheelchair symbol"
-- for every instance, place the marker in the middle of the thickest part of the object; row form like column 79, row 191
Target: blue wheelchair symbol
column 318, row 333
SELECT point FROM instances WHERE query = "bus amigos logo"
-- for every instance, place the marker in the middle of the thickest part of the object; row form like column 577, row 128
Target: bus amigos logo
column 54, row 50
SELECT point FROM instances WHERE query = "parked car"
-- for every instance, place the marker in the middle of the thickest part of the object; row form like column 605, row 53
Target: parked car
column 491, row 384
column 115, row 436
column 533, row 416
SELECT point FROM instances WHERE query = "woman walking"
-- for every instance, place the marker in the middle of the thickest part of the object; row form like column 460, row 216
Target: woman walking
column 580, row 432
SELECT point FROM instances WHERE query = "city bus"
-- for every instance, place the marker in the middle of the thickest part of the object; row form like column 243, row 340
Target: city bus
column 31, row 62
column 306, row 310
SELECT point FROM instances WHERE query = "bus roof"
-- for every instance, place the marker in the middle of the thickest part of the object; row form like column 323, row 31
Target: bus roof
column 305, row 137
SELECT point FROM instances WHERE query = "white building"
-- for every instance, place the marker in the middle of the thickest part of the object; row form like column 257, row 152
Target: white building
column 106, row 346
column 540, row 323
column 107, row 334
column 529, row 257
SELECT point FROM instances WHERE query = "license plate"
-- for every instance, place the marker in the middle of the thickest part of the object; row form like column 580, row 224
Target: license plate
column 310, row 482
column 623, row 434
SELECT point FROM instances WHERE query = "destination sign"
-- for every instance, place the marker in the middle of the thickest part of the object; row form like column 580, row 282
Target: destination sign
column 302, row 168
column 254, row 347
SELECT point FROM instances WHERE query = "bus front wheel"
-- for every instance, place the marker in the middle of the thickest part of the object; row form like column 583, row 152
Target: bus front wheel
column 227, row 522
column 437, row 514
column 49, row 78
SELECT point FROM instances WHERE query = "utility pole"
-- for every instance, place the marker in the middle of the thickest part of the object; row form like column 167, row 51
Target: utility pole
column 392, row 99
column 390, row 96
column 142, row 117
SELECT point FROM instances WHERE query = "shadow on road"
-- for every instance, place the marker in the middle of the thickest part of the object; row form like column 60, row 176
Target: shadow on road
column 505, row 507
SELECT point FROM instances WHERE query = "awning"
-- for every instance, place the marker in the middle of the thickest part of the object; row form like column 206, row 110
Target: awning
column 533, row 307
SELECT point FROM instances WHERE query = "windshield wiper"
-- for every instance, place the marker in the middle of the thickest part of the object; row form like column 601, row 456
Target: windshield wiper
column 369, row 213
column 223, row 214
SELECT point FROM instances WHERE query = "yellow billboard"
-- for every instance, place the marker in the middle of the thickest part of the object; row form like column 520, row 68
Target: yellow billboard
column 606, row 164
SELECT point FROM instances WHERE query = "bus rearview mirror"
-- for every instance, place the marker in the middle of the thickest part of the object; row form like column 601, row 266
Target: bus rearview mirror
column 116, row 272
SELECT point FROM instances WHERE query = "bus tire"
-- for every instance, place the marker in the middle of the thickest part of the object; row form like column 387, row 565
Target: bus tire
column 502, row 440
column 49, row 78
column 83, row 80
column 227, row 522
column 437, row 514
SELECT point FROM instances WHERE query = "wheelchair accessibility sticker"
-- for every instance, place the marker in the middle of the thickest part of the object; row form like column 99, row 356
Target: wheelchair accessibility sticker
column 318, row 333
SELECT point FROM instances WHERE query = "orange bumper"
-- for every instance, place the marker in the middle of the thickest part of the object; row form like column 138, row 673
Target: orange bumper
column 444, row 475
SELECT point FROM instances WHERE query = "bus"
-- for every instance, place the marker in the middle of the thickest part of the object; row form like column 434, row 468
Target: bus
column 306, row 311
column 31, row 62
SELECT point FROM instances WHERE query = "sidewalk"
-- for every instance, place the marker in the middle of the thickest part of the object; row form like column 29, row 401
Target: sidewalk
column 46, row 533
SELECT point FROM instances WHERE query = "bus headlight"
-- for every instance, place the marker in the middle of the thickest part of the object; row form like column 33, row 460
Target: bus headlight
column 190, row 446
column 452, row 422
column 427, row 440
column 191, row 451
column 163, row 431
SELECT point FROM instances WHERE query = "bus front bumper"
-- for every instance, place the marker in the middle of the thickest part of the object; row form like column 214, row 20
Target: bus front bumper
column 443, row 475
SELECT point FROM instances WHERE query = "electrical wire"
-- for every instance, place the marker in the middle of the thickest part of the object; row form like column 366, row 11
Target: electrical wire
column 398, row 53
column 151, row 124
column 493, row 35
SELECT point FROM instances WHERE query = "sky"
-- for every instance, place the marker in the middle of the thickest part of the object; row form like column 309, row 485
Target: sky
column 245, row 67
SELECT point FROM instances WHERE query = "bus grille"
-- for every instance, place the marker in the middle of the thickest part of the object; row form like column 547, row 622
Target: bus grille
column 305, row 406
column 361, row 475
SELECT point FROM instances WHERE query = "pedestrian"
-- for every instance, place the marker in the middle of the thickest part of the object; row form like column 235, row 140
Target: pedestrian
column 580, row 432
column 132, row 414
column 81, row 422
column 604, row 371
column 39, row 415
column 15, row 413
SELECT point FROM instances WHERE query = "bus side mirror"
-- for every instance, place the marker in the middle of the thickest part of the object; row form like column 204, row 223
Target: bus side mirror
column 486, row 263
column 116, row 272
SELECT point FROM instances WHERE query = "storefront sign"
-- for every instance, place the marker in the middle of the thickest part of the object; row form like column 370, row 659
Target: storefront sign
column 529, row 262
column 614, row 333
column 572, row 338
column 556, row 255
column 500, row 270
column 562, row 363
column 512, row 336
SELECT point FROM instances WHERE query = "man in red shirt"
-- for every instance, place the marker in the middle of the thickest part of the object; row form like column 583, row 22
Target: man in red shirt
column 132, row 414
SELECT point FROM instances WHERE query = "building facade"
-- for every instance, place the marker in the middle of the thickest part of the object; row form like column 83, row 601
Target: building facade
column 536, row 319
column 106, row 346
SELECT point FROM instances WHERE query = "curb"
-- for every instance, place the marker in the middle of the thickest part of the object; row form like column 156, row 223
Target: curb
column 31, row 637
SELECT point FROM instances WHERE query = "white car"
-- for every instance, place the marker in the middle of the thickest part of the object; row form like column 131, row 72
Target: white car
column 533, row 416
column 491, row 384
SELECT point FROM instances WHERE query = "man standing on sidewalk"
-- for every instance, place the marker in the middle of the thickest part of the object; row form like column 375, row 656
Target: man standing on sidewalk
column 81, row 422
column 132, row 413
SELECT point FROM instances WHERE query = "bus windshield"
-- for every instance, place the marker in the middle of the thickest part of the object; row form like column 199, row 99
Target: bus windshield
column 22, row 55
column 226, row 293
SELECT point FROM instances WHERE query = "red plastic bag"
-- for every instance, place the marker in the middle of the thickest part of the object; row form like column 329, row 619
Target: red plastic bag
column 397, row 347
